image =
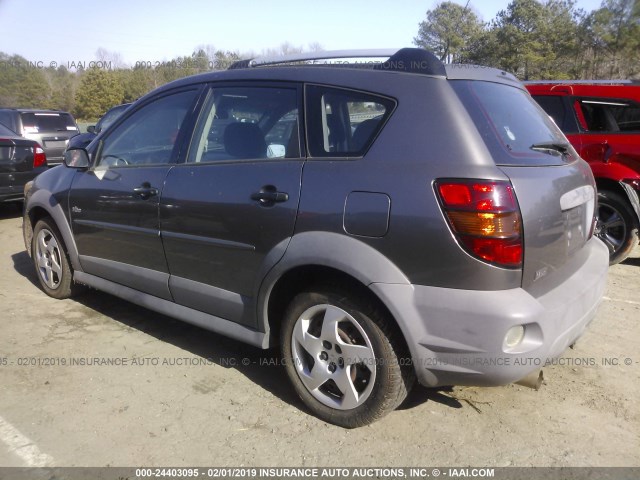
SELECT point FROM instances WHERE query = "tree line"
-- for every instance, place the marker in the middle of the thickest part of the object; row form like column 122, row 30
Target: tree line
column 549, row 39
column 540, row 40
column 89, row 92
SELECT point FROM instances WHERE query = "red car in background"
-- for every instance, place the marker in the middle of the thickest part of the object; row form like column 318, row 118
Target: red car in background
column 601, row 119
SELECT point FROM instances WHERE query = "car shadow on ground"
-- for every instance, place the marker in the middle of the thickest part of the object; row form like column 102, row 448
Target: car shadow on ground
column 635, row 261
column 23, row 264
column 10, row 210
column 263, row 367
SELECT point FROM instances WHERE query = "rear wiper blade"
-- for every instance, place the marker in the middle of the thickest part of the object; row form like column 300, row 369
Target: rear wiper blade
column 559, row 147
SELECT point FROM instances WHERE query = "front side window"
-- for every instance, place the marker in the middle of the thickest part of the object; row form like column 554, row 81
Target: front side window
column 149, row 135
column 247, row 123
column 343, row 123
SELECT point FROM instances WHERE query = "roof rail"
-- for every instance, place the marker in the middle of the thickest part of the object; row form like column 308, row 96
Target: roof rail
column 412, row 60
column 579, row 82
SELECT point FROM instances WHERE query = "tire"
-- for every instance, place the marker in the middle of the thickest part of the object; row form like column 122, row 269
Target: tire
column 51, row 261
column 343, row 358
column 617, row 225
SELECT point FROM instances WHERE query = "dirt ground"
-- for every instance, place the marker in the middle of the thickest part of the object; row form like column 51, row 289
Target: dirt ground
column 196, row 398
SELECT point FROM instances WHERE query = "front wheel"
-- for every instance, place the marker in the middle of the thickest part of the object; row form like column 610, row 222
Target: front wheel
column 617, row 225
column 51, row 262
column 344, row 358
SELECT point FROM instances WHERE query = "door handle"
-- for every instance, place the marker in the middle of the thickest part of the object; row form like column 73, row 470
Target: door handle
column 269, row 195
column 145, row 191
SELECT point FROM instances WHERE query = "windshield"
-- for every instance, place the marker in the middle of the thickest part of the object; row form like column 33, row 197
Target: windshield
column 37, row 122
column 110, row 117
column 511, row 123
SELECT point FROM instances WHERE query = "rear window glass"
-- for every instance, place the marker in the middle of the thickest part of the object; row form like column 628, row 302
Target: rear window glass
column 47, row 122
column 343, row 123
column 510, row 121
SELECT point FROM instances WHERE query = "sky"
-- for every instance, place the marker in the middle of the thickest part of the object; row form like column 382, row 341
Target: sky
column 71, row 31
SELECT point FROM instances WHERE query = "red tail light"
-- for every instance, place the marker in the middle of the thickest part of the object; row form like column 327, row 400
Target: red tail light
column 39, row 157
column 485, row 218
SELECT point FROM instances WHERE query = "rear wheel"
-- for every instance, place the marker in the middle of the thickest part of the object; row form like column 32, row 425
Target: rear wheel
column 51, row 262
column 343, row 358
column 617, row 225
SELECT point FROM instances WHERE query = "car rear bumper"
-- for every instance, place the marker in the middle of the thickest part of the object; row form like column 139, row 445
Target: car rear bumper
column 457, row 337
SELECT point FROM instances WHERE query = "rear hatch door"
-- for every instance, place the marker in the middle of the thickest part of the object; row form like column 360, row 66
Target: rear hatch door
column 16, row 154
column 52, row 130
column 554, row 186
column 16, row 164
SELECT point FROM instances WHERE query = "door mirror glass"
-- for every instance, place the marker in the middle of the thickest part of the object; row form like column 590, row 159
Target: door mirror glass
column 276, row 151
column 76, row 158
column 91, row 129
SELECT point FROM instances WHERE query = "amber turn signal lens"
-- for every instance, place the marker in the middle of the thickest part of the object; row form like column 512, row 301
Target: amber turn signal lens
column 501, row 225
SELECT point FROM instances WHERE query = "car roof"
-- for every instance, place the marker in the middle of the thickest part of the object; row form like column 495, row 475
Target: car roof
column 308, row 68
column 35, row 110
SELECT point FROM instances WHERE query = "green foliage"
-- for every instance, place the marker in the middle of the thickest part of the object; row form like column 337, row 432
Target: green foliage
column 21, row 85
column 448, row 30
column 541, row 40
column 612, row 37
column 99, row 90
column 88, row 94
column 223, row 60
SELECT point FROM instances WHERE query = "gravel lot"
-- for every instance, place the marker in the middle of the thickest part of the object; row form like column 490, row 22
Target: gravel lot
column 182, row 396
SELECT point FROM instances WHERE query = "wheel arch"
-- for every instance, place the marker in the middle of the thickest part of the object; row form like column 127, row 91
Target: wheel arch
column 42, row 204
column 604, row 183
column 625, row 191
column 322, row 258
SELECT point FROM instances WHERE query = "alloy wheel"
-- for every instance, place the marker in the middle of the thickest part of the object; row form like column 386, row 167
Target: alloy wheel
column 333, row 357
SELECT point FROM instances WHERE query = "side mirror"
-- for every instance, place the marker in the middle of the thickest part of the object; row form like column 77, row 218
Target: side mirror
column 91, row 129
column 276, row 151
column 76, row 158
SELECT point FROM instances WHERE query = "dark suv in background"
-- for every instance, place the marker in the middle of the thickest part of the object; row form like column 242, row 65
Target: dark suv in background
column 601, row 119
column 379, row 221
column 52, row 129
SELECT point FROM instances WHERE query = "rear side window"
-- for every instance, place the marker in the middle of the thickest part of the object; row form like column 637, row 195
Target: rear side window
column 39, row 122
column 343, row 123
column 610, row 115
column 509, row 120
column 247, row 123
